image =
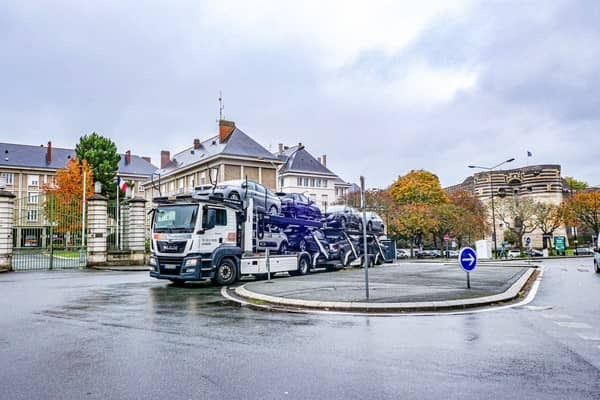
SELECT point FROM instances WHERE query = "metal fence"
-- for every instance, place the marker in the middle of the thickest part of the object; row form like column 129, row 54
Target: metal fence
column 48, row 233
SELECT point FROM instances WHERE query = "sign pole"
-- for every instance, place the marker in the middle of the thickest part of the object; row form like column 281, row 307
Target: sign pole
column 364, row 233
column 468, row 281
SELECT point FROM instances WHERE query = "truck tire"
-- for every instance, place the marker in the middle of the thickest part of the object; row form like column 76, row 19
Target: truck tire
column 226, row 272
column 303, row 266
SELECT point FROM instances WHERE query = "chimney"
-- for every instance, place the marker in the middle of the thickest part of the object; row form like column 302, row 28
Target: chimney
column 128, row 157
column 196, row 144
column 49, row 153
column 225, row 129
column 165, row 157
column 324, row 158
column 147, row 159
column 281, row 147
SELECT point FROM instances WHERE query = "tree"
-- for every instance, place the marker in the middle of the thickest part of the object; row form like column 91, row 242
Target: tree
column 574, row 184
column 472, row 216
column 418, row 186
column 101, row 154
column 444, row 218
column 410, row 221
column 584, row 208
column 548, row 218
column 518, row 215
column 64, row 198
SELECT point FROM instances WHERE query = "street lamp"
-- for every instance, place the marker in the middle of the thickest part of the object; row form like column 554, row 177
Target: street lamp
column 490, row 169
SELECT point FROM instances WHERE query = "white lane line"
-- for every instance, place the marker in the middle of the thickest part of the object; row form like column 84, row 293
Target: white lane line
column 557, row 316
column 595, row 338
column 539, row 308
column 573, row 325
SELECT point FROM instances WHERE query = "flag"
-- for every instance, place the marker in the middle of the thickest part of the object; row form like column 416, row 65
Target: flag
column 529, row 154
column 121, row 184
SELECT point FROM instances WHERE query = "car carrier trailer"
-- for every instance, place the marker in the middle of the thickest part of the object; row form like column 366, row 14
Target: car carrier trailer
column 197, row 238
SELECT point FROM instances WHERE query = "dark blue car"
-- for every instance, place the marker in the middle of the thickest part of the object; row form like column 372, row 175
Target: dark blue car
column 297, row 205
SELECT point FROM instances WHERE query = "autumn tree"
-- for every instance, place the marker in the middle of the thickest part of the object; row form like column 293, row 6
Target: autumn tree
column 584, row 208
column 64, row 198
column 518, row 215
column 418, row 186
column 101, row 154
column 472, row 216
column 549, row 217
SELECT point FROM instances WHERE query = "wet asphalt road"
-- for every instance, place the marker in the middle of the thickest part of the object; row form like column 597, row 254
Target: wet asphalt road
column 116, row 335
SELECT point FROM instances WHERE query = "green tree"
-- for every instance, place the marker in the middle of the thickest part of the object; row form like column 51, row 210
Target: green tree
column 101, row 154
column 472, row 216
column 574, row 184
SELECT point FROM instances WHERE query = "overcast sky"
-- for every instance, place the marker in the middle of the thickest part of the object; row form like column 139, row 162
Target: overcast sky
column 381, row 87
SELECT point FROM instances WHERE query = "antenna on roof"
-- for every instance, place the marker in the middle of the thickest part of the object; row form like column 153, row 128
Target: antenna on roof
column 221, row 105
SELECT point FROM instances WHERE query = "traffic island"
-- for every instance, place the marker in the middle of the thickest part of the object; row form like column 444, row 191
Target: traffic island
column 405, row 288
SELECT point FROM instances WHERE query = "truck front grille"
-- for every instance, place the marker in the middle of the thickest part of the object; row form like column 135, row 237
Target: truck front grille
column 171, row 247
column 170, row 265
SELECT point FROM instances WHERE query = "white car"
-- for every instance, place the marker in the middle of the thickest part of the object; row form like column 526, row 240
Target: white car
column 514, row 253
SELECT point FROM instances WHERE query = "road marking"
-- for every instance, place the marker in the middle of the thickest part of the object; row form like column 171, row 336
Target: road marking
column 573, row 325
column 557, row 316
column 595, row 338
column 539, row 308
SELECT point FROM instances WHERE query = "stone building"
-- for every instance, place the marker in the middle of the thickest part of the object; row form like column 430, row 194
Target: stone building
column 232, row 152
column 302, row 173
column 542, row 183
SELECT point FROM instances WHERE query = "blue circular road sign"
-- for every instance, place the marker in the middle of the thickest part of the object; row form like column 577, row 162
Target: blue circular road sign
column 527, row 241
column 467, row 258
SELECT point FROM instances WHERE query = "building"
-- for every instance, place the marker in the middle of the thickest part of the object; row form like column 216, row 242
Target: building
column 229, row 155
column 303, row 173
column 25, row 169
column 542, row 183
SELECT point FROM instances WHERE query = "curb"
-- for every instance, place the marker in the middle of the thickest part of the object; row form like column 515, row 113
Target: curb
column 508, row 295
column 139, row 268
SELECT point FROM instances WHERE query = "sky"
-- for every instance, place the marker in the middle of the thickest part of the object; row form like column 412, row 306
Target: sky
column 380, row 87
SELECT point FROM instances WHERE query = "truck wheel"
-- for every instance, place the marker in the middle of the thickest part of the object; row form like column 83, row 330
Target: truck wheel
column 282, row 248
column 226, row 272
column 303, row 266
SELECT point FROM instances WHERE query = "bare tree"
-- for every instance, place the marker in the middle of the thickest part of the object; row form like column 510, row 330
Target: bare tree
column 519, row 216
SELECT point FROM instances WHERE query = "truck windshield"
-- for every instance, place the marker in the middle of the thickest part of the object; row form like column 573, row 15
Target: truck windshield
column 175, row 218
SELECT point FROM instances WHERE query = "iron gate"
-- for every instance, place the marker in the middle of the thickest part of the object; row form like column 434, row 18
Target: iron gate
column 47, row 233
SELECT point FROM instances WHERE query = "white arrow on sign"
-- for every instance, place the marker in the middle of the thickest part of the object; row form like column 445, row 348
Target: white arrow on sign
column 470, row 259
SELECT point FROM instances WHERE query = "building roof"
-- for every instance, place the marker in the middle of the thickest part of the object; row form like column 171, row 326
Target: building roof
column 298, row 160
column 35, row 157
column 237, row 144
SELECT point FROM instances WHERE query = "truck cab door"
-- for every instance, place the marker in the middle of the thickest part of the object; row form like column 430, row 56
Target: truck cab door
column 218, row 227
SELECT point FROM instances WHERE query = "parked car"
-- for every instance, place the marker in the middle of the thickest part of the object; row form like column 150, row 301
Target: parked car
column 533, row 253
column 264, row 199
column 301, row 239
column 585, row 251
column 597, row 260
column 514, row 253
column 297, row 205
column 374, row 222
column 343, row 217
column 274, row 239
column 451, row 253
column 402, row 253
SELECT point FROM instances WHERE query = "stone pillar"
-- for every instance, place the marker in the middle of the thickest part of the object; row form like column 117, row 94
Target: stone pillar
column 136, row 230
column 7, row 211
column 97, row 224
column 124, row 222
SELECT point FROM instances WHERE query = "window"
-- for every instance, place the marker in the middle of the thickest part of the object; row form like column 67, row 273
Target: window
column 312, row 182
column 32, row 215
column 219, row 215
column 324, row 201
column 8, row 177
column 33, row 180
column 32, row 197
column 181, row 183
column 305, row 181
column 299, row 181
column 318, row 183
column 141, row 188
column 324, row 183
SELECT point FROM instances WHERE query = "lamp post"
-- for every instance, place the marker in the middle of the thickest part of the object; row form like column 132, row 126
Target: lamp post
column 490, row 169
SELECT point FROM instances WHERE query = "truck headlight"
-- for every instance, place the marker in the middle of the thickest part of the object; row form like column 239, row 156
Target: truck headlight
column 191, row 262
column 152, row 261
